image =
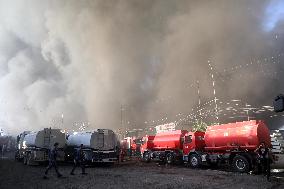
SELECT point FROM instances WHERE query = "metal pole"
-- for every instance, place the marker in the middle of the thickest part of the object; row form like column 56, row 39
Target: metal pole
column 198, row 92
column 214, row 91
column 62, row 116
column 121, row 120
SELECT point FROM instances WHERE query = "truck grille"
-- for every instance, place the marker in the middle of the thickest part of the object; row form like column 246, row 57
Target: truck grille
column 101, row 155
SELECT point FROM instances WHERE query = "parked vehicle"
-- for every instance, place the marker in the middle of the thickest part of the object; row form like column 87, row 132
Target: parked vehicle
column 277, row 142
column 33, row 147
column 130, row 147
column 100, row 145
column 7, row 143
column 232, row 143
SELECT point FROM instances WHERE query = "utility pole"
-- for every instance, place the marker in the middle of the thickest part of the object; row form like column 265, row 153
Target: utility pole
column 198, row 93
column 214, row 91
column 62, row 117
column 247, row 112
column 121, row 120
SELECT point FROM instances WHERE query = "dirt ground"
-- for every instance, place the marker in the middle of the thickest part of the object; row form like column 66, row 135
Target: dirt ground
column 129, row 175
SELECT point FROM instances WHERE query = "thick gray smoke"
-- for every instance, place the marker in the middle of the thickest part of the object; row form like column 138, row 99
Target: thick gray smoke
column 135, row 62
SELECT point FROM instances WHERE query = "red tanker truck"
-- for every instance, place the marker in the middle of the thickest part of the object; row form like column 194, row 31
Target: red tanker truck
column 232, row 143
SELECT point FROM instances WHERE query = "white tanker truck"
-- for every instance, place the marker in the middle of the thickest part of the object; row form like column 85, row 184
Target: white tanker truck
column 34, row 146
column 277, row 142
column 100, row 145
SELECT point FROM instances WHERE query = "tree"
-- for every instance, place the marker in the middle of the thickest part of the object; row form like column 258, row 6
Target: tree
column 199, row 125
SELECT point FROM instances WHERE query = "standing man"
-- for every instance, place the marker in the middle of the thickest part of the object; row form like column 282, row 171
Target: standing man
column 3, row 150
column 79, row 159
column 264, row 160
column 52, row 161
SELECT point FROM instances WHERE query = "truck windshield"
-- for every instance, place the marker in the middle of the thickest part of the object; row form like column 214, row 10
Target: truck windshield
column 188, row 139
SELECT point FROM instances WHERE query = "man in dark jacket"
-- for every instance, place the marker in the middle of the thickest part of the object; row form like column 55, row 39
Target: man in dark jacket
column 79, row 159
column 264, row 160
column 52, row 161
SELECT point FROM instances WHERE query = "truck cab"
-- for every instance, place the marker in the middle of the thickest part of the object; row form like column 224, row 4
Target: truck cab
column 21, row 146
column 147, row 143
column 193, row 141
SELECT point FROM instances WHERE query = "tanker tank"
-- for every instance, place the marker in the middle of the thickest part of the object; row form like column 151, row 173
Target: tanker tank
column 100, row 139
column 33, row 147
column 168, row 140
column 45, row 138
column 78, row 138
column 100, row 145
column 246, row 134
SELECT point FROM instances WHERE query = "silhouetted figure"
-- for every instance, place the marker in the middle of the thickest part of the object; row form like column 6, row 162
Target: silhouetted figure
column 264, row 160
column 79, row 160
column 3, row 150
column 52, row 161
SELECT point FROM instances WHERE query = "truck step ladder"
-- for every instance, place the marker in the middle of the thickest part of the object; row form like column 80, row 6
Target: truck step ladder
column 46, row 138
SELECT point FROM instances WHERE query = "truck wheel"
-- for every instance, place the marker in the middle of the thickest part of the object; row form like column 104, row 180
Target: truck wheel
column 169, row 158
column 240, row 164
column 146, row 157
column 194, row 161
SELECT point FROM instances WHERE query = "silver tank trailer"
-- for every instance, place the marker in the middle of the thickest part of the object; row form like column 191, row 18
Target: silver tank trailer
column 100, row 145
column 35, row 146
column 45, row 138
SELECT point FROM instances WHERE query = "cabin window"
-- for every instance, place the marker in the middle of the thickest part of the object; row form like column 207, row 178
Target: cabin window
column 188, row 139
column 138, row 141
column 144, row 140
column 200, row 138
column 182, row 140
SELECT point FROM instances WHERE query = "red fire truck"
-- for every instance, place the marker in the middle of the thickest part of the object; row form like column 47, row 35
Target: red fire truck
column 130, row 147
column 232, row 143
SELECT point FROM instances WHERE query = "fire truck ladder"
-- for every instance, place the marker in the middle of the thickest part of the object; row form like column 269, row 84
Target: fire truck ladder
column 101, row 139
column 46, row 138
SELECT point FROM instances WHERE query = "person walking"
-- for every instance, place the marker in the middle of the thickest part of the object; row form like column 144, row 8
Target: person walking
column 3, row 150
column 264, row 160
column 79, row 160
column 52, row 161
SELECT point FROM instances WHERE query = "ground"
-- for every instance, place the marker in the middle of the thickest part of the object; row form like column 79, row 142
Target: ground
column 131, row 174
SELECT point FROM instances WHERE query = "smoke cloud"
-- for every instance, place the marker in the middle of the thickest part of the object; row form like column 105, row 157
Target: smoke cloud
column 117, row 63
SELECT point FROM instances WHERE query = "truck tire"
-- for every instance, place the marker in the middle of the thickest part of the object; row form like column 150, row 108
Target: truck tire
column 194, row 160
column 240, row 164
column 146, row 157
column 169, row 158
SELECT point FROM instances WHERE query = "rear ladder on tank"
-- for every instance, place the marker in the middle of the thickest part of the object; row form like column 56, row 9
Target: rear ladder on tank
column 46, row 138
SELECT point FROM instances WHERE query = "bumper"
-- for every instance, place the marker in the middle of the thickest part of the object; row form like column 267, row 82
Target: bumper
column 105, row 156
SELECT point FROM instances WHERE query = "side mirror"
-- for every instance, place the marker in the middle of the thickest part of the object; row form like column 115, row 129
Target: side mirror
column 278, row 103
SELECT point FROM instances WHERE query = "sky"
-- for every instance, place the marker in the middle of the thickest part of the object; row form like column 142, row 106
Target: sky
column 274, row 14
column 133, row 64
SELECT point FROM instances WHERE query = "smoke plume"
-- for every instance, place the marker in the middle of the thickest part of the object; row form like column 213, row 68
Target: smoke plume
column 132, row 63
